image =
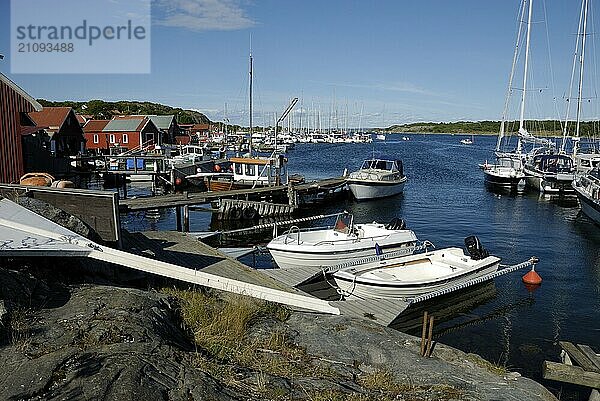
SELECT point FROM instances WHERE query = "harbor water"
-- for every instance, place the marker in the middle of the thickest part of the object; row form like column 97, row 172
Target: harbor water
column 445, row 200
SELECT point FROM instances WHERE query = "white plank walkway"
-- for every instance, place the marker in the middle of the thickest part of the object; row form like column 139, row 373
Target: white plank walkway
column 47, row 238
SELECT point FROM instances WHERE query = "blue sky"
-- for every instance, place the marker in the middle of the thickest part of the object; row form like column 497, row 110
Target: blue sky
column 399, row 61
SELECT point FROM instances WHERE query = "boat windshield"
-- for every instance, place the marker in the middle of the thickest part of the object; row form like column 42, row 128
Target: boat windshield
column 553, row 163
column 380, row 165
column 344, row 223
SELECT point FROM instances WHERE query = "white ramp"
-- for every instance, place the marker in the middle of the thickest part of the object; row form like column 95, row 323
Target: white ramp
column 26, row 233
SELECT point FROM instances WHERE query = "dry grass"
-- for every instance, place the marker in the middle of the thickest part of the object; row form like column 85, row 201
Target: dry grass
column 383, row 383
column 221, row 329
column 18, row 328
column 491, row 367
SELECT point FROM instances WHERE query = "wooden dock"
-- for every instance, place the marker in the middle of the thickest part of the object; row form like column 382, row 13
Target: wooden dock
column 187, row 251
column 382, row 311
column 586, row 373
column 191, row 199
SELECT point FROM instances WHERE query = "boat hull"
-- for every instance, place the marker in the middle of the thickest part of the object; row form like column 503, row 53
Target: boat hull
column 228, row 185
column 291, row 260
column 550, row 185
column 503, row 180
column 364, row 190
column 588, row 206
column 364, row 288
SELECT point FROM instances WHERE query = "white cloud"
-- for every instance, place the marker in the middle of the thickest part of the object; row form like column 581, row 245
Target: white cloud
column 203, row 15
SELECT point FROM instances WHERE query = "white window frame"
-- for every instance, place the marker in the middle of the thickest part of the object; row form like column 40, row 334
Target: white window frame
column 112, row 138
column 125, row 138
column 96, row 138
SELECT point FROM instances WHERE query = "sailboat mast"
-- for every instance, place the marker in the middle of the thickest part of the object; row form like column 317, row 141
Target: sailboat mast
column 510, row 79
column 576, row 144
column 522, row 117
column 575, row 56
column 250, row 144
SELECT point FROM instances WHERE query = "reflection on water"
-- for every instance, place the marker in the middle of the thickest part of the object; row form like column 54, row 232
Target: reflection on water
column 446, row 309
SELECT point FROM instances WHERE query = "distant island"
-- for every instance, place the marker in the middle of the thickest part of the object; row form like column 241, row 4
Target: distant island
column 542, row 128
column 101, row 110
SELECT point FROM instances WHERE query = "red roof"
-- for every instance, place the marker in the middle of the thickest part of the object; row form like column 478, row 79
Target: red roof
column 52, row 117
column 95, row 125
column 28, row 130
column 83, row 118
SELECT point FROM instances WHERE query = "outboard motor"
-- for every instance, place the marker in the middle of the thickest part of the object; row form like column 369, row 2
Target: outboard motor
column 396, row 224
column 475, row 249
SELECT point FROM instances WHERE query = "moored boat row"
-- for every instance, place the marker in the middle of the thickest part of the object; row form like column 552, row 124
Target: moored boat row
column 380, row 261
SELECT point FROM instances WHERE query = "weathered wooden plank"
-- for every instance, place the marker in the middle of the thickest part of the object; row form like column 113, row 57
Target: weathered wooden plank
column 570, row 374
column 589, row 352
column 579, row 357
column 98, row 209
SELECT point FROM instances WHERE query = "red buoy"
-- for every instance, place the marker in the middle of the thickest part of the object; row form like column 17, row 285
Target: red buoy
column 532, row 278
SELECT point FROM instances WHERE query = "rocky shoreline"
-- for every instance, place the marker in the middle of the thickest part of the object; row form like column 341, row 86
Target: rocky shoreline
column 82, row 330
column 90, row 341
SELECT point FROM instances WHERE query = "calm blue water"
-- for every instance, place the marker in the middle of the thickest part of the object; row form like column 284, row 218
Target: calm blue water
column 445, row 200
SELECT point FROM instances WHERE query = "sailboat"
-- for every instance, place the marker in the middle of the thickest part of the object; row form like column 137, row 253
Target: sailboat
column 507, row 171
column 249, row 171
column 555, row 172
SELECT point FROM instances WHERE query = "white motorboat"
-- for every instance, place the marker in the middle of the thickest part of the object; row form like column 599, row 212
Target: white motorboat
column 413, row 275
column 467, row 141
column 587, row 188
column 377, row 178
column 346, row 241
column 506, row 172
column 380, row 137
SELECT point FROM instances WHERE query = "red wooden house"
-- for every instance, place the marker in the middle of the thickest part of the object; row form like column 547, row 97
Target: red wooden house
column 95, row 139
column 124, row 133
column 15, row 103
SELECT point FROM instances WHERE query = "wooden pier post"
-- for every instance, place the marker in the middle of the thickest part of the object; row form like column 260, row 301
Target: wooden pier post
column 178, row 217
column 423, row 333
column 430, row 338
column 186, row 219
column 123, row 177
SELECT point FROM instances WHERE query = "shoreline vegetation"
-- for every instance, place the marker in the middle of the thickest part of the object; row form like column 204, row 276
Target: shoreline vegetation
column 100, row 109
column 540, row 128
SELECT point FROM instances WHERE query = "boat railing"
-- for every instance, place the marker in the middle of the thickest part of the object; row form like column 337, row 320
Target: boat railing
column 423, row 246
column 289, row 233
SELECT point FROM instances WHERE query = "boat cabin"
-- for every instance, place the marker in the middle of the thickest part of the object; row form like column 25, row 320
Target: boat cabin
column 380, row 164
column 263, row 171
column 553, row 163
column 587, row 161
column 191, row 154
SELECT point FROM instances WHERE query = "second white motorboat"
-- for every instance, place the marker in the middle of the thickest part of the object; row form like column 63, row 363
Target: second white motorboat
column 346, row 241
column 413, row 275
column 377, row 178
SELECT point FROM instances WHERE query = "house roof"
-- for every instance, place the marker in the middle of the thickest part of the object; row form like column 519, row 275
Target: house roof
column 200, row 127
column 95, row 125
column 125, row 124
column 34, row 103
column 162, row 122
column 83, row 118
column 28, row 130
column 52, row 117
